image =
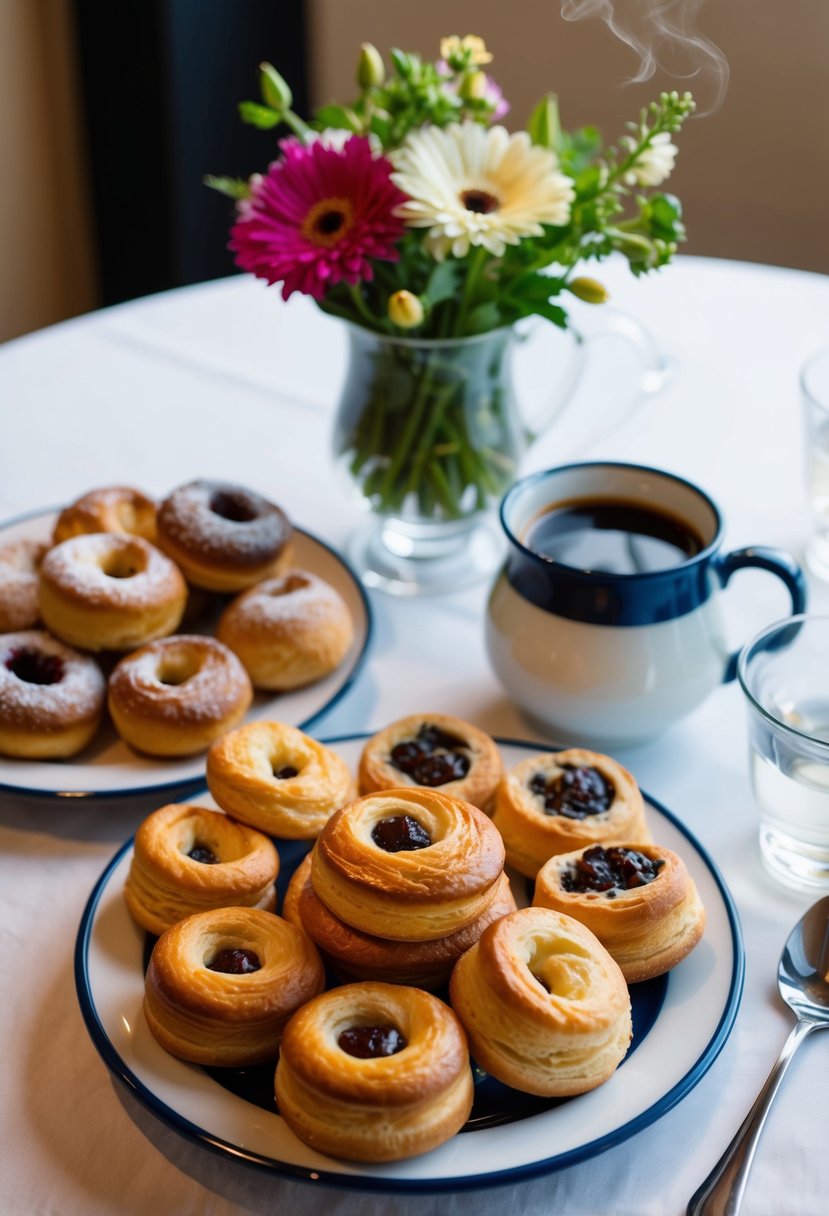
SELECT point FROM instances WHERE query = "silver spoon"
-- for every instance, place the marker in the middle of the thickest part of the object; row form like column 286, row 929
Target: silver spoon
column 803, row 980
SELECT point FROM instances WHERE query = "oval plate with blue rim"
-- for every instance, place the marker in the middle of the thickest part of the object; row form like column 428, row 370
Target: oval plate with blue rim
column 681, row 1022
column 108, row 768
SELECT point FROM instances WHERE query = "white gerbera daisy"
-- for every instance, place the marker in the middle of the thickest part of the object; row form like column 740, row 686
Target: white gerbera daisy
column 476, row 186
column 655, row 164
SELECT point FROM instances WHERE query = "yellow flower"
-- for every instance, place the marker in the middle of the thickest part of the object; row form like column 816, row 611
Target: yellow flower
column 405, row 310
column 470, row 48
column 477, row 186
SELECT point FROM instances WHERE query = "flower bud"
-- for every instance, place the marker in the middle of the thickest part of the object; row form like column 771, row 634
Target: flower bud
column 405, row 310
column 544, row 127
column 275, row 90
column 589, row 290
column 371, row 70
column 472, row 86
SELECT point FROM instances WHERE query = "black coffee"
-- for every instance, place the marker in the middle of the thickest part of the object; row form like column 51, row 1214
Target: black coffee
column 611, row 535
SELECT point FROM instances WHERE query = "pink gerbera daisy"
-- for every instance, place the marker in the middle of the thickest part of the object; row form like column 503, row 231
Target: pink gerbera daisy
column 319, row 216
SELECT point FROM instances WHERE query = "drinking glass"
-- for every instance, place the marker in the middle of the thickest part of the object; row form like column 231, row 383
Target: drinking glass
column 814, row 392
column 784, row 674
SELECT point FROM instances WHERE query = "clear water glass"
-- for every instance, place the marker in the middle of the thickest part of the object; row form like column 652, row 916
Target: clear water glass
column 784, row 674
column 814, row 394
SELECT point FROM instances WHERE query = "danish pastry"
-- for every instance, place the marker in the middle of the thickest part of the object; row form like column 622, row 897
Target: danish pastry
column 288, row 631
column 187, row 859
column 278, row 779
column 545, row 1007
column 175, row 696
column 110, row 509
column 556, row 802
column 19, row 566
column 51, row 697
column 639, row 900
column 221, row 985
column 374, row 1072
column 223, row 537
column 433, row 751
column 109, row 591
column 408, row 864
column 354, row 955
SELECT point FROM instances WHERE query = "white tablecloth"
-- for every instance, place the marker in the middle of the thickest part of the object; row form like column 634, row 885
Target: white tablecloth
column 225, row 381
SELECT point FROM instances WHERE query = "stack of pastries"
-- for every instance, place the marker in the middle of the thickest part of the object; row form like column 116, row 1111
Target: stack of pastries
column 118, row 590
column 404, row 891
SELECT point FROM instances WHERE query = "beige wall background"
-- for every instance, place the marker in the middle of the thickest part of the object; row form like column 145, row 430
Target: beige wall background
column 753, row 175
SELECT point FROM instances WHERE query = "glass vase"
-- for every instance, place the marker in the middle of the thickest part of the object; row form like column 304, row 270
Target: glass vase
column 429, row 435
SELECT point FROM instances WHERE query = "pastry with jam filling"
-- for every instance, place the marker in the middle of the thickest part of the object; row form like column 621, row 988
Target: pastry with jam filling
column 189, row 859
column 221, row 985
column 638, row 899
column 408, row 865
column 374, row 1072
column 433, row 751
column 555, row 802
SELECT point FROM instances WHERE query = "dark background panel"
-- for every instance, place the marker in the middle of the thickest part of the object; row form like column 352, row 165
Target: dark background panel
column 161, row 83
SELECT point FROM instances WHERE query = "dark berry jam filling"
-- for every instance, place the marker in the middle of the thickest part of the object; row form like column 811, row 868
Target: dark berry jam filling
column 287, row 770
column 610, row 870
column 575, row 792
column 432, row 758
column 400, row 833
column 35, row 668
column 231, row 506
column 235, row 961
column 369, row 1042
column 201, row 853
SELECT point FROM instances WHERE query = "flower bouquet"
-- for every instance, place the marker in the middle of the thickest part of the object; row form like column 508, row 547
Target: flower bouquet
column 413, row 214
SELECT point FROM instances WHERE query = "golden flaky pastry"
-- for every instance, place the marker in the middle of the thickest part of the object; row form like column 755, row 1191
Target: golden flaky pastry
column 222, row 984
column 277, row 778
column 648, row 926
column 354, row 955
column 408, row 1090
column 555, row 802
column 408, row 864
column 545, row 1007
column 108, row 509
column 433, row 751
column 188, row 859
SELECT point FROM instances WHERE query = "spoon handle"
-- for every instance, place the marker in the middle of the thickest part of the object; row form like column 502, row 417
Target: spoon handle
column 722, row 1191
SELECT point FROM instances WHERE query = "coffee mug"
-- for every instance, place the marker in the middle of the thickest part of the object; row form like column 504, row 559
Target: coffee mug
column 604, row 623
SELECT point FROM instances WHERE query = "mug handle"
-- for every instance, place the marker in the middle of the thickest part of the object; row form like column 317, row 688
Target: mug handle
column 775, row 561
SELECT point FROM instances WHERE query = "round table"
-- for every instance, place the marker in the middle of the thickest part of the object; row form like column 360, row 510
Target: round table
column 224, row 380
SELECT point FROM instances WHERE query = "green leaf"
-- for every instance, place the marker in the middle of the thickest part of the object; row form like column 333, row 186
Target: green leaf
column 381, row 127
column 484, row 317
column 402, row 62
column 233, row 187
column 442, row 283
column 340, row 117
column 259, row 116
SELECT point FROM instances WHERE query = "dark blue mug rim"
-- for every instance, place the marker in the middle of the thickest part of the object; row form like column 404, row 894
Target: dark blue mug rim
column 651, row 576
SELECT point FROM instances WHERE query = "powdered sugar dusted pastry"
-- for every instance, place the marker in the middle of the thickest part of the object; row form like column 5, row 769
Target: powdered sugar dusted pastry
column 51, row 697
column 19, row 570
column 288, row 631
column 355, row 955
column 222, row 984
column 188, row 859
column 223, row 537
column 374, row 1072
column 408, row 864
column 638, row 899
column 109, row 591
column 545, row 1007
column 175, row 696
column 555, row 802
column 279, row 779
column 109, row 509
column 433, row 751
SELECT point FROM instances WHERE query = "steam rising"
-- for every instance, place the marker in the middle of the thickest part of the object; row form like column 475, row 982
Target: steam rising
column 661, row 32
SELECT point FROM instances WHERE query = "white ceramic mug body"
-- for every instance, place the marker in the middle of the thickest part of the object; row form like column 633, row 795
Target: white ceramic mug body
column 615, row 659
